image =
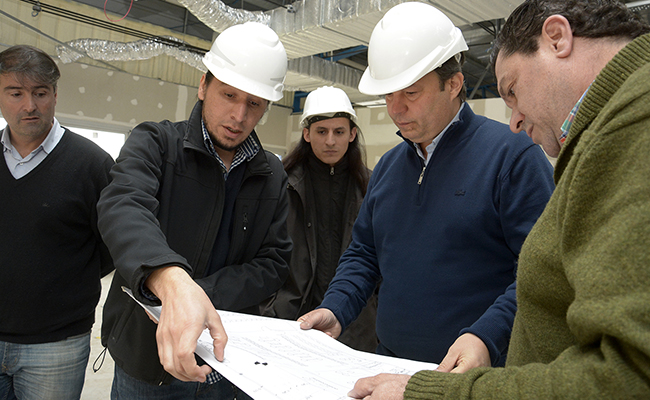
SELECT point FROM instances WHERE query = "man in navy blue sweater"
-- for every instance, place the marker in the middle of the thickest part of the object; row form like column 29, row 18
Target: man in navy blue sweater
column 446, row 211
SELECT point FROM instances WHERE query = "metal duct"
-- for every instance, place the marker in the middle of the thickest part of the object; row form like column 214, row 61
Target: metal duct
column 317, row 26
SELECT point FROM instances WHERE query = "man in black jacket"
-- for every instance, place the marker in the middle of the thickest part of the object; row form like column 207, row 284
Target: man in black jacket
column 195, row 219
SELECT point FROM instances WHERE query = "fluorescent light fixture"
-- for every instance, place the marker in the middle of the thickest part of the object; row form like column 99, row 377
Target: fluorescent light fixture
column 635, row 4
column 372, row 103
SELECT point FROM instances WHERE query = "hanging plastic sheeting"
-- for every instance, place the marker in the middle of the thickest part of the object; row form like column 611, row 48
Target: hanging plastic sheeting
column 218, row 16
column 106, row 50
column 305, row 74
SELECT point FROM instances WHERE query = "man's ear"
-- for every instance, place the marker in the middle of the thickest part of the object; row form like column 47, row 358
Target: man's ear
column 456, row 84
column 353, row 134
column 305, row 134
column 557, row 34
column 201, row 93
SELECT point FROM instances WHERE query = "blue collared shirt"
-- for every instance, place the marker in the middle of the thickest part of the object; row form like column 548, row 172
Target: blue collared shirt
column 20, row 166
column 430, row 148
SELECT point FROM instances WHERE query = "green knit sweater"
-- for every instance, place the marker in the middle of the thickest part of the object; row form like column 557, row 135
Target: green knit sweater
column 582, row 329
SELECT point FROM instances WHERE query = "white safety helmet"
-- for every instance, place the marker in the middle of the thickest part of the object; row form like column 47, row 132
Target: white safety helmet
column 251, row 58
column 327, row 101
column 411, row 40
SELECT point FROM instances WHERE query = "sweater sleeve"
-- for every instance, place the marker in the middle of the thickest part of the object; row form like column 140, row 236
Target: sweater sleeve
column 358, row 272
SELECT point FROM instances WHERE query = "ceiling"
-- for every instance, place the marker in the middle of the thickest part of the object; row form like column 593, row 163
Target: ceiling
column 325, row 39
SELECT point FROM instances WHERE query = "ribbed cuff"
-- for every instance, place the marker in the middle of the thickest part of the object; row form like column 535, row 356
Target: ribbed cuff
column 437, row 385
column 426, row 385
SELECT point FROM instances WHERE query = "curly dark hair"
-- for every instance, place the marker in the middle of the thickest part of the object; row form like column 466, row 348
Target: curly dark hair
column 30, row 62
column 588, row 18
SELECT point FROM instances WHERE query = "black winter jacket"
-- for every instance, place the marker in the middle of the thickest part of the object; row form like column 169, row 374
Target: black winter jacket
column 163, row 208
column 291, row 301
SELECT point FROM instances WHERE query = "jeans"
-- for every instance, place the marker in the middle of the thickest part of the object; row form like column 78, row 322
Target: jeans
column 47, row 371
column 126, row 387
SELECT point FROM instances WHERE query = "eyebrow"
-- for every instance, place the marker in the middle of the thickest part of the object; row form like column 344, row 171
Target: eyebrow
column 335, row 128
column 503, row 92
column 27, row 88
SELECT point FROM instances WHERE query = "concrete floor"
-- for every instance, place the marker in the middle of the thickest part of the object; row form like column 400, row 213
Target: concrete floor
column 98, row 385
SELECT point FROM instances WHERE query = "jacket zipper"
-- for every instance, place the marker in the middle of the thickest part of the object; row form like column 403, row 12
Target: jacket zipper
column 421, row 175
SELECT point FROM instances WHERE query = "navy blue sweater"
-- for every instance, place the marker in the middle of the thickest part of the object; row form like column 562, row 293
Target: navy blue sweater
column 446, row 249
column 51, row 253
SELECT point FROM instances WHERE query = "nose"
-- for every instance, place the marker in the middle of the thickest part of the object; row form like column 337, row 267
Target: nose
column 330, row 139
column 29, row 104
column 395, row 104
column 516, row 121
column 239, row 112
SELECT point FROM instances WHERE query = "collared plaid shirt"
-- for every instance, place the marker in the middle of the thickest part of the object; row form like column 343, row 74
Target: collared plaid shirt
column 566, row 126
column 245, row 152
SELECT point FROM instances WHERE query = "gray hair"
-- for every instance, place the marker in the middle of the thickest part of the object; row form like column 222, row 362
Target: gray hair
column 30, row 62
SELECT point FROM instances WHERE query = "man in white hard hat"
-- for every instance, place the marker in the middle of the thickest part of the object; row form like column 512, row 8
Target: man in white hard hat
column 328, row 178
column 446, row 210
column 195, row 218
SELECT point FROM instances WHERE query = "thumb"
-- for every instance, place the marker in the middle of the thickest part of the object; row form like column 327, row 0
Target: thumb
column 218, row 335
column 305, row 323
column 448, row 363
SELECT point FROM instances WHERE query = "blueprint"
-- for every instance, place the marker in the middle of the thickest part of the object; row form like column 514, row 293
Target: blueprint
column 273, row 359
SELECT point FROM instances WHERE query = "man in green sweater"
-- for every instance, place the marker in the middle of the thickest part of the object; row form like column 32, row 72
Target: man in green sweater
column 576, row 74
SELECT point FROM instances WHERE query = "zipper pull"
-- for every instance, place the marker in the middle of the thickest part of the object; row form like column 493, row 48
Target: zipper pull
column 245, row 220
column 422, row 175
column 332, row 171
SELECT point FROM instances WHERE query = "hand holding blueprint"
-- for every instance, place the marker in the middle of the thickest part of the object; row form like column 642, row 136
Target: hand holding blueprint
column 273, row 359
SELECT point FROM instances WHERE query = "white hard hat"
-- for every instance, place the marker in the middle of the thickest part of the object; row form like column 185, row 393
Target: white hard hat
column 411, row 40
column 327, row 101
column 251, row 58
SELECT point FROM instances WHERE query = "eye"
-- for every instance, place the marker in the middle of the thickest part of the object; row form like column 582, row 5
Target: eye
column 411, row 94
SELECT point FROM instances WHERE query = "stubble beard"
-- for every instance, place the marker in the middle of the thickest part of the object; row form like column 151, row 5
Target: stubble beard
column 222, row 145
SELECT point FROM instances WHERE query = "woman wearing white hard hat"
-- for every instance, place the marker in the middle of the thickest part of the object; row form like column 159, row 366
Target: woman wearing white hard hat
column 327, row 181
column 446, row 210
